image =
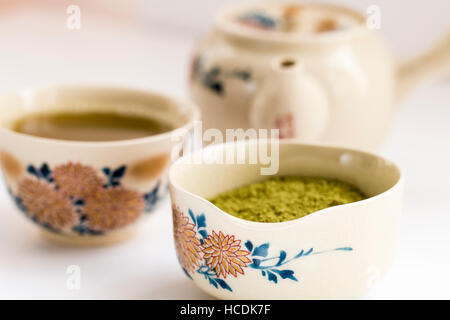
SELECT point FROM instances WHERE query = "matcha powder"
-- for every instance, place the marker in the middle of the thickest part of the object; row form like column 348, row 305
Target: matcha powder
column 285, row 198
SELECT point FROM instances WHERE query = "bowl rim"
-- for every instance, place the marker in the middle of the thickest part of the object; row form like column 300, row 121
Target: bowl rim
column 287, row 224
column 195, row 115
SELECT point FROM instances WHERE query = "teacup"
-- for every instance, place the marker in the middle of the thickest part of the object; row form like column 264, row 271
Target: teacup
column 88, row 192
column 335, row 253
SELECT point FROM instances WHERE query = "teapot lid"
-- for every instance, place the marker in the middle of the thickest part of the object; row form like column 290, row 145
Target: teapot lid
column 289, row 22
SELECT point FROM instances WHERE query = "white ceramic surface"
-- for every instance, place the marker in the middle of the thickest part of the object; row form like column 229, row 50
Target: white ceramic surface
column 88, row 192
column 337, row 87
column 330, row 254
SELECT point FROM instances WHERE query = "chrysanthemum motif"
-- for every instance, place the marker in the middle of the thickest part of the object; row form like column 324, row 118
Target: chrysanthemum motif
column 188, row 246
column 46, row 205
column 76, row 180
column 223, row 254
column 112, row 208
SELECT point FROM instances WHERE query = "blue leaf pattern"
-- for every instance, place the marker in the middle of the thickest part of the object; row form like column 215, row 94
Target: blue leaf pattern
column 45, row 171
column 269, row 266
column 151, row 198
column 213, row 282
column 203, row 233
column 114, row 176
column 282, row 258
column 286, row 274
column 32, row 170
column 249, row 245
column 262, row 250
column 256, row 263
column 201, row 221
column 214, row 79
column 272, row 277
column 223, row 284
column 192, row 216
column 119, row 172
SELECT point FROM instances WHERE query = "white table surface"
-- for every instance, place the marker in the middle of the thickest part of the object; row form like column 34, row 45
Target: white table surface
column 146, row 267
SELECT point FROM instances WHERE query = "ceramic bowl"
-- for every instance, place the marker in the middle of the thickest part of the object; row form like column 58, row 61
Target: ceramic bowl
column 88, row 192
column 335, row 253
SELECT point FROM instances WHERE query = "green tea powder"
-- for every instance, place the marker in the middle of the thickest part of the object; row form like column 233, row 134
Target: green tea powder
column 286, row 198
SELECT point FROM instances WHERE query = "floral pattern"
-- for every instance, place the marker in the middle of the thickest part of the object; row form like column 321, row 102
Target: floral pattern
column 76, row 180
column 113, row 208
column 285, row 20
column 46, row 205
column 286, row 125
column 217, row 255
column 188, row 246
column 258, row 20
column 214, row 77
column 72, row 197
column 223, row 254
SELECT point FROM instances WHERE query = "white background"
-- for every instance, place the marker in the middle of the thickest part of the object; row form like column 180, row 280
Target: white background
column 36, row 48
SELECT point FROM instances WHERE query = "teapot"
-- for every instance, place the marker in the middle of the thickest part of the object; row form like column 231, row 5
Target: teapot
column 316, row 72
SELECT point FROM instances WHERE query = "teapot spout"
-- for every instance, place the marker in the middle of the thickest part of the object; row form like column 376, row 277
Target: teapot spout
column 433, row 64
column 292, row 100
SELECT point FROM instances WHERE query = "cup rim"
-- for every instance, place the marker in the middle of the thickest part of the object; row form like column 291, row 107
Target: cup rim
column 224, row 25
column 153, row 138
column 287, row 224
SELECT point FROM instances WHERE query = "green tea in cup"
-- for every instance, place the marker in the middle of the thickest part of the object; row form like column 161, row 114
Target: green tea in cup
column 89, row 126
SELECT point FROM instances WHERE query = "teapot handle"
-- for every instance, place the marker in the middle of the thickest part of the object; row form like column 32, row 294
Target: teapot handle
column 435, row 63
column 292, row 100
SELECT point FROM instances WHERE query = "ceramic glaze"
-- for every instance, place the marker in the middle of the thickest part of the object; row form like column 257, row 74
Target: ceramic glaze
column 72, row 198
column 275, row 66
column 218, row 255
